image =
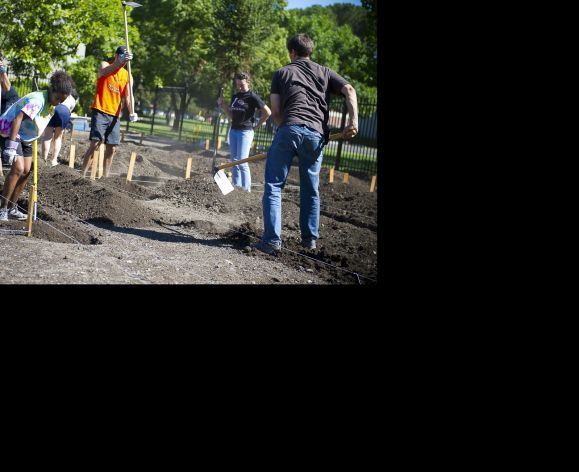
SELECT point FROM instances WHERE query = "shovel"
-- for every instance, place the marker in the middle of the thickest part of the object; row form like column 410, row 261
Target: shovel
column 134, row 5
column 221, row 179
column 223, row 182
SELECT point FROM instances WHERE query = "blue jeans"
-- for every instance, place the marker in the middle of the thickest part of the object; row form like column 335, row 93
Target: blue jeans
column 307, row 144
column 239, row 144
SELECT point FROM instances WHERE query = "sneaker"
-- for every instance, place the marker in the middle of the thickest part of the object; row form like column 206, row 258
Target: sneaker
column 16, row 214
column 309, row 244
column 54, row 163
column 3, row 214
column 266, row 247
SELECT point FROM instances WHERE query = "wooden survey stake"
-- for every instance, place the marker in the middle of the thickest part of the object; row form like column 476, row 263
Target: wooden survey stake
column 331, row 175
column 101, row 159
column 346, row 178
column 131, row 166
column 71, row 157
column 373, row 184
column 188, row 170
column 95, row 163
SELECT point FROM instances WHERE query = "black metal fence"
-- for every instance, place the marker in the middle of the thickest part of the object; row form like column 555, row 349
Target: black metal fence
column 171, row 113
column 201, row 127
column 359, row 154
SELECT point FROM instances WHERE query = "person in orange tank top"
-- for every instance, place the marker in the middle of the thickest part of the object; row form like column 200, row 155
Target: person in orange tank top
column 112, row 86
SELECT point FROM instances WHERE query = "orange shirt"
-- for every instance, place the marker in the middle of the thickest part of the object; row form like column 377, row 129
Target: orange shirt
column 110, row 91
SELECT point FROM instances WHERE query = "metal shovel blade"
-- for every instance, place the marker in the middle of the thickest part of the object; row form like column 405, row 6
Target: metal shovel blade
column 132, row 4
column 223, row 182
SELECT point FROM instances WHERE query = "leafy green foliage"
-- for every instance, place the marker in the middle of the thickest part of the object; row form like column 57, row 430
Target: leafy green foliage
column 84, row 75
column 198, row 44
column 336, row 46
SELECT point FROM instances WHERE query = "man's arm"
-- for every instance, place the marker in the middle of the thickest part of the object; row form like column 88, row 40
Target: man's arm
column 351, row 128
column 106, row 69
column 275, row 101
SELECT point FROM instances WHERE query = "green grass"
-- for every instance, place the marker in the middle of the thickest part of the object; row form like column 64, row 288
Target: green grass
column 348, row 163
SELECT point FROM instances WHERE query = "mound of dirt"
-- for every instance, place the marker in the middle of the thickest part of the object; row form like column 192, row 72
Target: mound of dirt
column 52, row 225
column 94, row 201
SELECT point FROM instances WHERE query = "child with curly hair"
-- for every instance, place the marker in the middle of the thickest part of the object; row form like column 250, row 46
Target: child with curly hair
column 20, row 125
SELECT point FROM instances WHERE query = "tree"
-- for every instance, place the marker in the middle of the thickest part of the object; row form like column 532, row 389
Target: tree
column 247, row 36
column 370, row 38
column 34, row 46
column 24, row 39
column 201, row 43
column 335, row 46
column 353, row 15
column 175, row 37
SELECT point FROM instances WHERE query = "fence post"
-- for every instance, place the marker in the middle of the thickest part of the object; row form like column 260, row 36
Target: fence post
column 339, row 151
column 217, row 119
column 183, row 105
column 154, row 108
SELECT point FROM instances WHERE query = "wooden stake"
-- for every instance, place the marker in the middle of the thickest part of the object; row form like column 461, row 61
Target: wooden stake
column 219, row 142
column 142, row 136
column 188, row 171
column 131, row 166
column 101, row 159
column 346, row 178
column 122, row 136
column 373, row 183
column 30, row 211
column 331, row 175
column 95, row 163
column 71, row 132
column 71, row 157
column 32, row 196
column 207, row 145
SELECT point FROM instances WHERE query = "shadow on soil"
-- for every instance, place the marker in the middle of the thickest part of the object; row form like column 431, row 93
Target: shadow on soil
column 175, row 236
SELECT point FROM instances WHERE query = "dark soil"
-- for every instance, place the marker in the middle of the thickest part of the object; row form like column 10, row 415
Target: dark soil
column 160, row 195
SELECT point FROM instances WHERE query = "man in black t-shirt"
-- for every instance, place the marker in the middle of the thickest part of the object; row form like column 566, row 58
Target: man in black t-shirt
column 300, row 94
column 241, row 113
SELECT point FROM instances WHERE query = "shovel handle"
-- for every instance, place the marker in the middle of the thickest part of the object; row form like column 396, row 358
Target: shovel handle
column 256, row 157
column 263, row 155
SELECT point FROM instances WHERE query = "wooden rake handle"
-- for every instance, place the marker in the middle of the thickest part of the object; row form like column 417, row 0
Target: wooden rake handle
column 263, row 155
